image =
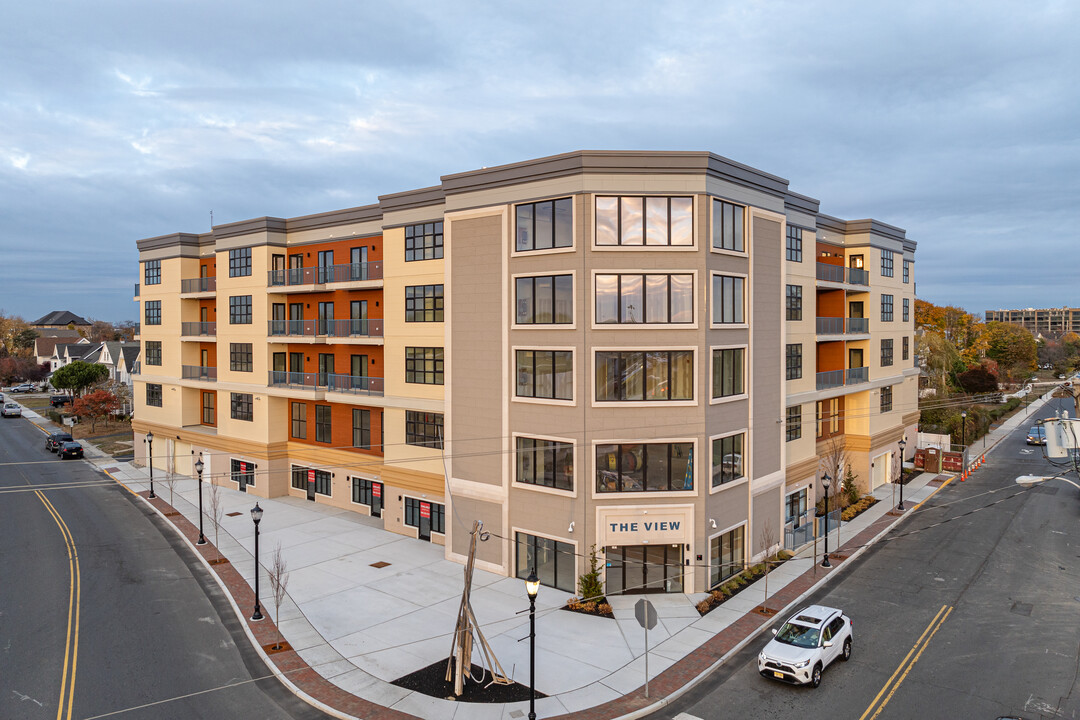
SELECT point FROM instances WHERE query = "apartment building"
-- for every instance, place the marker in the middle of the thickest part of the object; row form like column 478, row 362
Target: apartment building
column 1049, row 322
column 646, row 353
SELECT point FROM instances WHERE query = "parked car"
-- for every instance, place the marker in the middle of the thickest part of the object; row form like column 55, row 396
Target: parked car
column 1036, row 435
column 56, row 439
column 58, row 400
column 70, row 449
column 25, row 387
column 805, row 645
column 12, row 410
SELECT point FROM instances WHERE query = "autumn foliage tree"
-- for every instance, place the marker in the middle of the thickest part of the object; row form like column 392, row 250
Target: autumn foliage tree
column 1013, row 347
column 95, row 406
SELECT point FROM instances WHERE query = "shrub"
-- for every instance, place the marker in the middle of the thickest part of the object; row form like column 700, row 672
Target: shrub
column 590, row 586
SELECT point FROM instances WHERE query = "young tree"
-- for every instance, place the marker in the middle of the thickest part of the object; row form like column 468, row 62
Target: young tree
column 96, row 405
column 78, row 376
column 767, row 538
column 279, row 581
column 217, row 509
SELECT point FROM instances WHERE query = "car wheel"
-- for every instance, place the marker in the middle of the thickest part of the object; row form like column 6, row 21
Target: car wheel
column 847, row 650
column 815, row 677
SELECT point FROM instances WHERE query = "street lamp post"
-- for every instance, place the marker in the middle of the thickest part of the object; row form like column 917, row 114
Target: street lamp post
column 963, row 438
column 199, row 468
column 532, row 587
column 256, row 516
column 150, row 445
column 825, row 479
column 902, row 444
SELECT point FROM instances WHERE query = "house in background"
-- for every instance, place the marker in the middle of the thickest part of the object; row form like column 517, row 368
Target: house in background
column 47, row 339
column 60, row 319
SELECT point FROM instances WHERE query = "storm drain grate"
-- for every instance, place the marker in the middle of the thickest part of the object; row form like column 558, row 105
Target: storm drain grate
column 233, row 514
column 1021, row 608
column 380, row 564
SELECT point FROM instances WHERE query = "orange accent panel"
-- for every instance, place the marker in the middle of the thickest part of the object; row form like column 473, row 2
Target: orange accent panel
column 830, row 303
column 211, row 353
column 830, row 356
column 341, row 250
column 211, row 267
column 829, row 260
column 340, row 426
column 342, row 357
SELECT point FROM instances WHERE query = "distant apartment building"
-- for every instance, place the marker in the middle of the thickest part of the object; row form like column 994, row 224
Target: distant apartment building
column 1049, row 322
column 649, row 353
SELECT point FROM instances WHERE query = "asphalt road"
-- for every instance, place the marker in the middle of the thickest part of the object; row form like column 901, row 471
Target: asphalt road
column 104, row 613
column 967, row 610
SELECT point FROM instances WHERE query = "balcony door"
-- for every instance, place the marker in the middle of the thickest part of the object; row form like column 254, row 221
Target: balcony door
column 855, row 358
column 326, row 318
column 296, row 269
column 326, row 368
column 277, row 266
column 855, row 309
column 277, row 316
column 326, row 264
column 296, row 318
column 358, row 263
column 855, row 261
column 358, row 317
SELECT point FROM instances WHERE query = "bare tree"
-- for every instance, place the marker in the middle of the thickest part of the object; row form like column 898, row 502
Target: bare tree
column 170, row 482
column 216, row 510
column 767, row 538
column 279, row 581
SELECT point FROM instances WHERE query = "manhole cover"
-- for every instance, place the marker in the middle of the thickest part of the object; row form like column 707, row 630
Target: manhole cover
column 380, row 564
column 1021, row 609
column 233, row 514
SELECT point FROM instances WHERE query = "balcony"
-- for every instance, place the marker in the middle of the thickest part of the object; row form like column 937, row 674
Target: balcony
column 841, row 378
column 136, row 289
column 307, row 278
column 325, row 328
column 842, row 275
column 198, row 372
column 842, row 326
column 352, row 384
column 198, row 329
column 198, row 285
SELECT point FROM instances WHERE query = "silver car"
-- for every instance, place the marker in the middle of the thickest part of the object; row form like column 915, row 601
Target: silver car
column 805, row 645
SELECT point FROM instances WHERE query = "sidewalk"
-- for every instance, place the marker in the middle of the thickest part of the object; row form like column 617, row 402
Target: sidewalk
column 366, row 606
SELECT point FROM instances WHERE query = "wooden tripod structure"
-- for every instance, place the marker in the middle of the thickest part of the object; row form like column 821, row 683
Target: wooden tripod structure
column 468, row 631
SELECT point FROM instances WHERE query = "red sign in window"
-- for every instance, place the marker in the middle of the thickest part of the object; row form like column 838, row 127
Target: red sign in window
column 376, row 490
column 243, row 468
column 425, row 510
column 311, row 476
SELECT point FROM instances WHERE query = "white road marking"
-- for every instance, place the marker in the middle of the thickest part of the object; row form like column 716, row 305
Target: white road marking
column 686, row 716
column 24, row 698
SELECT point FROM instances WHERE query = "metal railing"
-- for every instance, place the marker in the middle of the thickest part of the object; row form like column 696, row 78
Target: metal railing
column 841, row 326
column 325, row 328
column 350, row 272
column 354, row 384
column 198, row 372
column 841, row 274
column 858, row 375
column 136, row 289
column 839, row 378
column 858, row 325
column 858, row 276
column 199, row 284
column 202, row 329
column 798, row 532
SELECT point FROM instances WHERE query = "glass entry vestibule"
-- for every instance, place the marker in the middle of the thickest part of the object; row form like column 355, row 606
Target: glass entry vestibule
column 644, row 569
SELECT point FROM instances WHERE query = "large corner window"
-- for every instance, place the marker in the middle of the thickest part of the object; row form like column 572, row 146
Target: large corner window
column 653, row 299
column 551, row 560
column 644, row 467
column 544, row 225
column 727, row 226
column 726, row 556
column 728, row 300
column 545, row 374
column 547, row 463
column 634, row 375
column 545, row 300
column 728, row 372
column 645, row 221
column 727, row 459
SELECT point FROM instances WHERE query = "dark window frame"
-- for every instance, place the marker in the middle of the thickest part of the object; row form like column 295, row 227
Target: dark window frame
column 153, row 352
column 626, row 453
column 241, row 359
column 154, row 396
column 361, row 428
column 556, row 551
column 731, row 296
column 520, row 370
column 424, row 429
column 793, row 357
column 793, row 424
column 886, row 308
column 720, row 361
column 886, row 399
column 240, row 262
column 623, row 362
column 423, row 303
column 527, row 213
column 242, row 406
column 794, row 302
column 239, row 309
column 152, row 312
column 424, row 241
column 644, row 220
column 886, row 352
column 720, row 239
column 323, row 424
column 424, row 365
column 298, row 420
column 558, row 463
column 621, row 320
column 729, row 445
column 237, row 474
column 887, row 263
column 552, row 312
column 794, row 243
column 152, row 272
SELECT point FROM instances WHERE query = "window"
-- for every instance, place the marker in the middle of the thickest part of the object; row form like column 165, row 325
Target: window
column 423, row 303
column 545, row 300
column 633, row 299
column 725, row 556
column 240, row 310
column 209, row 415
column 727, row 226
column 152, row 312
column 904, row 348
column 907, row 309
column 828, row 417
column 794, row 361
column 299, row 477
column 242, row 406
column 424, row 429
column 242, row 471
column 153, row 352
column 551, row 560
column 795, row 507
column 794, row 243
column 152, row 272
column 886, row 352
column 545, row 374
column 794, row 423
column 727, row 459
column 424, row 242
column 417, row 509
column 368, row 492
column 886, row 308
column 424, row 365
column 644, row 467
column 547, row 463
column 907, row 271
column 361, row 429
column 153, row 395
column 322, row 483
column 886, row 399
column 645, row 375
column 794, row 302
column 728, row 300
column 240, row 357
column 886, row 263
column 299, row 420
column 322, row 423
column 640, row 221
column 727, row 372
column 544, row 225
column 240, row 262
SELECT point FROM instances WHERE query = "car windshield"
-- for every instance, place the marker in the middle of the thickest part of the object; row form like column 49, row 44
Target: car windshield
column 1035, row 431
column 798, row 635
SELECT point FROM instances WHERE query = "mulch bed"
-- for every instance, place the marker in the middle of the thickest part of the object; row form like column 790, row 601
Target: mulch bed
column 594, row 613
column 275, row 647
column 432, row 681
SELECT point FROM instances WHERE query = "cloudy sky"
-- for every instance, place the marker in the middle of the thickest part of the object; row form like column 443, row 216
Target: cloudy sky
column 120, row 120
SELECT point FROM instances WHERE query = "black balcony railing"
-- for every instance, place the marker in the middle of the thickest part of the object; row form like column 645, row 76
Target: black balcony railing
column 198, row 285
column 354, row 384
column 841, row 326
column 325, row 328
column 201, row 329
column 858, row 276
column 858, row 325
column 350, row 272
column 198, row 372
column 830, row 379
column 858, row 375
column 841, row 274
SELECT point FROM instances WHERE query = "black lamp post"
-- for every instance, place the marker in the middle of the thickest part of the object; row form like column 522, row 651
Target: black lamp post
column 256, row 516
column 532, row 587
column 199, row 468
column 150, row 445
column 902, row 444
column 825, row 479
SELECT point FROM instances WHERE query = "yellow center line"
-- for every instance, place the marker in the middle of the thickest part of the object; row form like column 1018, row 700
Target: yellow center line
column 911, row 665
column 71, row 643
column 930, row 630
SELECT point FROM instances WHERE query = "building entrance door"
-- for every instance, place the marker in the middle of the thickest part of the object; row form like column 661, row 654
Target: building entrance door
column 644, row 569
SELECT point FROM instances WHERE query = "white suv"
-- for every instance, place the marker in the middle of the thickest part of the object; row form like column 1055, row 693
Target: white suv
column 805, row 645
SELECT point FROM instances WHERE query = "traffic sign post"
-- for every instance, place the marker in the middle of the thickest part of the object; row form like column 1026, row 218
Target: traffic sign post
column 646, row 617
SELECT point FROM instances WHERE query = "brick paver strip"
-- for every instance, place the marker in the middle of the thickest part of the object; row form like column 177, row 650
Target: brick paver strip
column 664, row 684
